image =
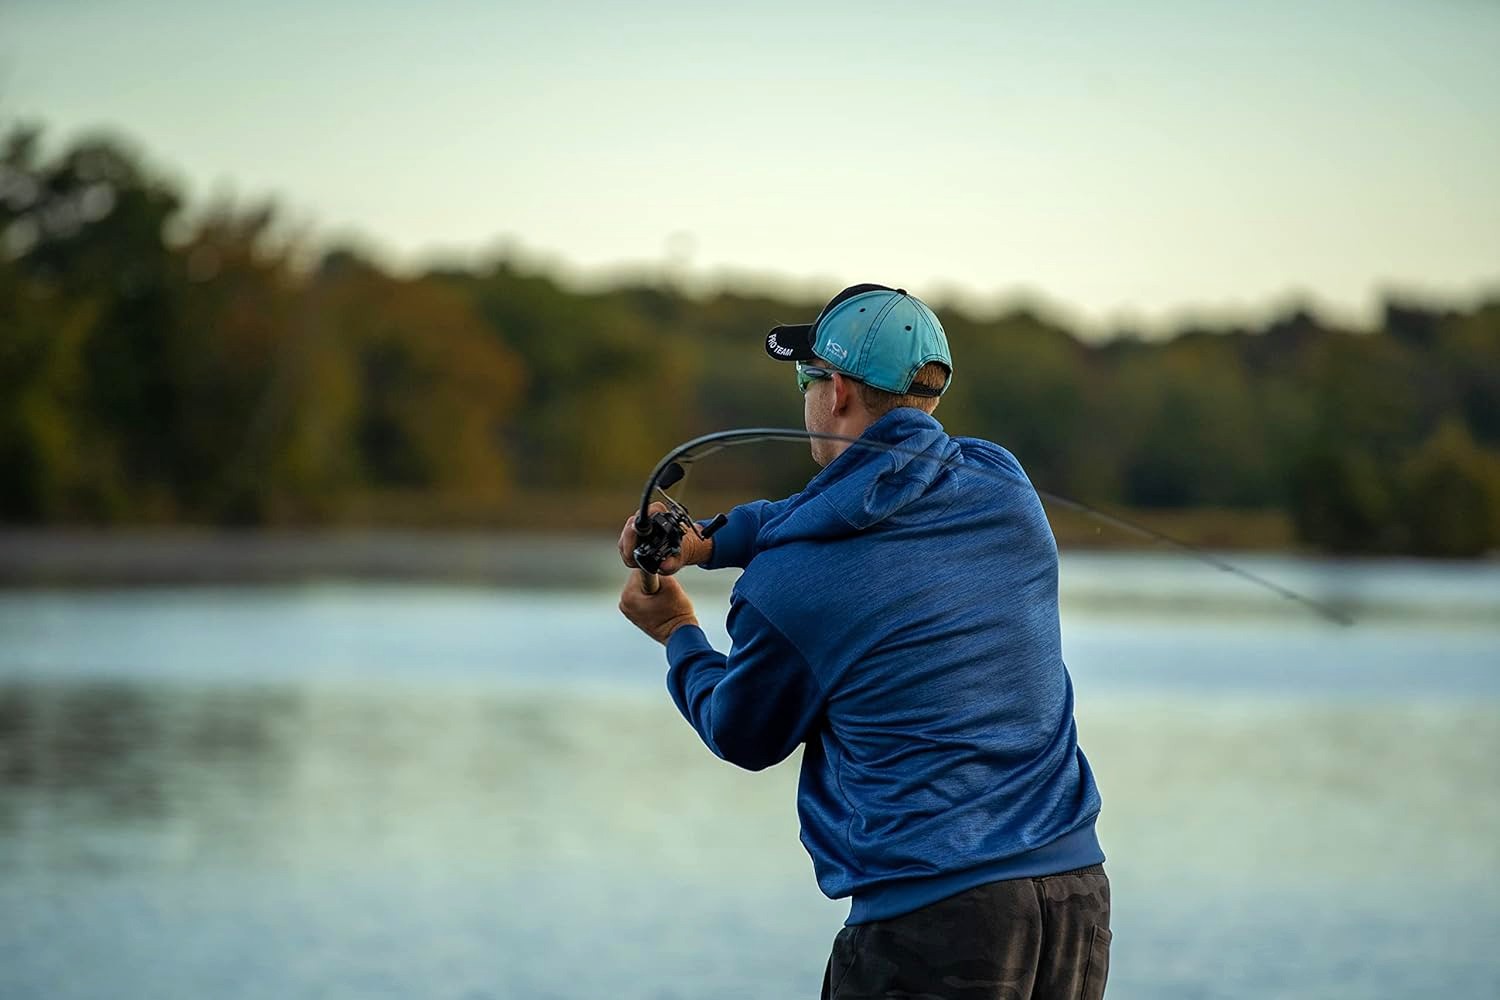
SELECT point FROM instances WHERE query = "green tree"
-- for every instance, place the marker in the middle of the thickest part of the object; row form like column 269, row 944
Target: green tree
column 1450, row 495
column 1342, row 501
column 435, row 388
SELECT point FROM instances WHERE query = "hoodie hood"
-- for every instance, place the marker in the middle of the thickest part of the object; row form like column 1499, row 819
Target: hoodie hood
column 867, row 485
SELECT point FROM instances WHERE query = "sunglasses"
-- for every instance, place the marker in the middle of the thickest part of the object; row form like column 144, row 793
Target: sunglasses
column 808, row 374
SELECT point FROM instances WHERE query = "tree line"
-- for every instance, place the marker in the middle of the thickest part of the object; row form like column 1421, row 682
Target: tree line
column 164, row 363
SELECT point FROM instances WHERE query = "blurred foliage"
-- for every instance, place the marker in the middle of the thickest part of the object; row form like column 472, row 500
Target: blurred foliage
column 160, row 364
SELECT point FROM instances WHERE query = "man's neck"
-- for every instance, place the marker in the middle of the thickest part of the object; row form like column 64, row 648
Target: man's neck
column 852, row 426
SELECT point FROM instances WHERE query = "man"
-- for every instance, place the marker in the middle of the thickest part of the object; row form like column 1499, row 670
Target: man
column 899, row 618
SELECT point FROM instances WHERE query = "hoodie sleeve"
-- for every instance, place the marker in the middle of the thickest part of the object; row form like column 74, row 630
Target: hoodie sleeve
column 734, row 544
column 752, row 707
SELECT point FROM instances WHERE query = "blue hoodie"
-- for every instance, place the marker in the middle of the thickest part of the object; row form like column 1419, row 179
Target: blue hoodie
column 899, row 617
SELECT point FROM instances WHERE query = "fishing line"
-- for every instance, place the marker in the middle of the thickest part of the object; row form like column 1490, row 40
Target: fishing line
column 672, row 469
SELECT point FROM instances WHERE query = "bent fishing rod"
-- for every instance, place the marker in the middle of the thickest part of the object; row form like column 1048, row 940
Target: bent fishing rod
column 659, row 535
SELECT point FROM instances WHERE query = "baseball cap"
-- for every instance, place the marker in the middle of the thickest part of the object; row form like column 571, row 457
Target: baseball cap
column 878, row 335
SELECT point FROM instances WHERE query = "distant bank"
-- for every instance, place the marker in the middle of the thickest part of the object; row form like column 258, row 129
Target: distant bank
column 177, row 556
column 551, row 557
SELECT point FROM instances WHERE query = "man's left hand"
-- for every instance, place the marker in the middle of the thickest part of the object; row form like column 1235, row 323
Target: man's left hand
column 659, row 614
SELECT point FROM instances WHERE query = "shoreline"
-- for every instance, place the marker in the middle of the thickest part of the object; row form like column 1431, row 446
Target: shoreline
column 164, row 557
column 1103, row 581
column 548, row 555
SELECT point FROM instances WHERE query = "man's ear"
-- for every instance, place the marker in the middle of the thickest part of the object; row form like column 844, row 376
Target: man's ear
column 843, row 394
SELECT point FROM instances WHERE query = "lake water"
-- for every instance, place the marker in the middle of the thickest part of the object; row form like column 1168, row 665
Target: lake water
column 367, row 790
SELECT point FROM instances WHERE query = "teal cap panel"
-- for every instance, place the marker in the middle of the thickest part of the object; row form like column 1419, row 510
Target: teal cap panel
column 882, row 338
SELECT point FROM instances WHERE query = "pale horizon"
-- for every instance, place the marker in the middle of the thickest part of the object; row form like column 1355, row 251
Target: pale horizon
column 1143, row 169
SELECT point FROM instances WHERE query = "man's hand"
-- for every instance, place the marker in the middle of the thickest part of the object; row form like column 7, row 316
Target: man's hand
column 695, row 550
column 659, row 614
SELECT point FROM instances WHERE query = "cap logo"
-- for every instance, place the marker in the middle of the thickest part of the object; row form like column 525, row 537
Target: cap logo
column 776, row 349
column 836, row 352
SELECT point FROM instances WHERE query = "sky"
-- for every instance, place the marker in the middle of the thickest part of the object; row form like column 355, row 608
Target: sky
column 1127, row 164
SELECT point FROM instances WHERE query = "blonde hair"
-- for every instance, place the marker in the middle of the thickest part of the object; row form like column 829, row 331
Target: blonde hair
column 933, row 375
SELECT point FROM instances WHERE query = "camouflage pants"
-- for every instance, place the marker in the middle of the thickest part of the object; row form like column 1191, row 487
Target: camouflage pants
column 1021, row 939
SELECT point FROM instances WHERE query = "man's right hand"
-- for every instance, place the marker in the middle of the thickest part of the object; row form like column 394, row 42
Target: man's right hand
column 695, row 550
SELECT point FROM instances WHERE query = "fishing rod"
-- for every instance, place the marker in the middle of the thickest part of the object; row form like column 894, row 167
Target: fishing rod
column 659, row 535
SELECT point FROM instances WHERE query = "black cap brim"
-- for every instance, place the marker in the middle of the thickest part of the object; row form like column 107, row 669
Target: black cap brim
column 791, row 343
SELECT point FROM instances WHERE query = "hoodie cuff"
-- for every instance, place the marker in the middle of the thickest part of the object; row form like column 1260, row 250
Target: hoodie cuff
column 735, row 542
column 685, row 641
